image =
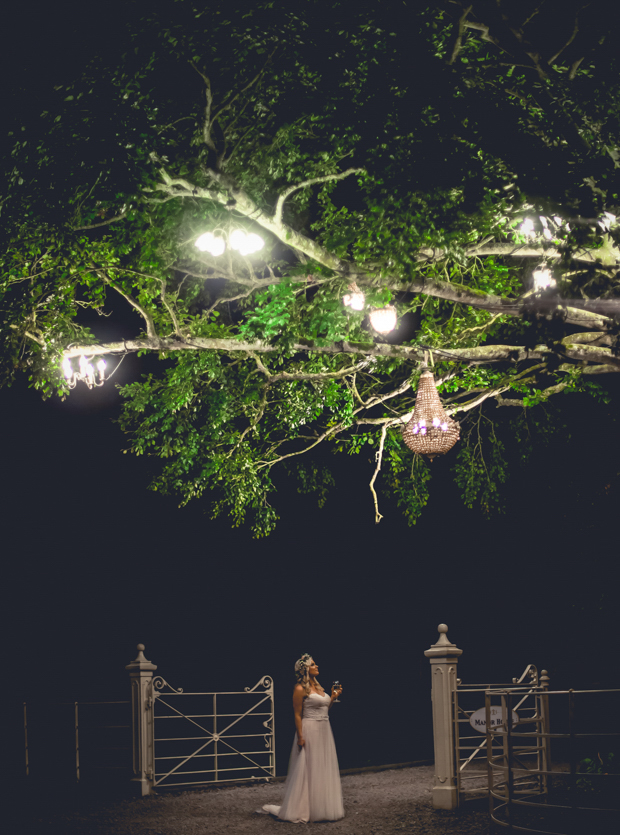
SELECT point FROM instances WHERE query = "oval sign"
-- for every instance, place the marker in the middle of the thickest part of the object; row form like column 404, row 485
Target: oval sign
column 478, row 719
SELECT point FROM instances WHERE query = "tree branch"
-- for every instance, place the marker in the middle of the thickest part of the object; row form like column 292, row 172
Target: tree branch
column 458, row 40
column 378, row 459
column 103, row 222
column 150, row 327
column 287, row 192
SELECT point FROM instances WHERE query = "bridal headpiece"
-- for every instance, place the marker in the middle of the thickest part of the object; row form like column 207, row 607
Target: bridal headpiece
column 301, row 668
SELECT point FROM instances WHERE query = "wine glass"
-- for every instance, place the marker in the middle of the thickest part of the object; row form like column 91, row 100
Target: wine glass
column 336, row 684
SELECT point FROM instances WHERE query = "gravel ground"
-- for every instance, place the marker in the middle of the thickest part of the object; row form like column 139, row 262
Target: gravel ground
column 376, row 803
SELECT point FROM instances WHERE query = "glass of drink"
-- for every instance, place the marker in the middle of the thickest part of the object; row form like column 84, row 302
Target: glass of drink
column 336, row 684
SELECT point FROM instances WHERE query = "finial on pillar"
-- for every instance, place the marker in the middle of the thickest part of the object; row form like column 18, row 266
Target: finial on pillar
column 443, row 645
column 140, row 662
column 544, row 679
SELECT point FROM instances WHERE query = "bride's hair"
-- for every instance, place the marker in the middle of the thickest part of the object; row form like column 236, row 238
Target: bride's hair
column 301, row 674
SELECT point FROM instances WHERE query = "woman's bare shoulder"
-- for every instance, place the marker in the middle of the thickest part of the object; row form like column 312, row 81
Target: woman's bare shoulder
column 299, row 689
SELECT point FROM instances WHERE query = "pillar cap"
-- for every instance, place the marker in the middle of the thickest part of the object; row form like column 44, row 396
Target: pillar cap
column 443, row 647
column 140, row 662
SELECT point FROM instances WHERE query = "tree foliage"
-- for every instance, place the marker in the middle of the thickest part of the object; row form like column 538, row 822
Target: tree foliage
column 432, row 156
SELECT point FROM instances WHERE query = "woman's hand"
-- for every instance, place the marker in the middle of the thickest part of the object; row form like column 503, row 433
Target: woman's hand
column 336, row 691
column 301, row 741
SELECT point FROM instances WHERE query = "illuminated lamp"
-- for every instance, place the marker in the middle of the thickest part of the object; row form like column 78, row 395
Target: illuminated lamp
column 384, row 319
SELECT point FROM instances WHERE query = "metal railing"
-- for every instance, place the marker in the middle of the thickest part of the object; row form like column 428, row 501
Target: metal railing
column 209, row 755
column 75, row 742
column 577, row 795
column 471, row 748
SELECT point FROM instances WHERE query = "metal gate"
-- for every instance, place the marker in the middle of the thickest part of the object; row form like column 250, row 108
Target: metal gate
column 213, row 737
column 580, row 792
column 529, row 710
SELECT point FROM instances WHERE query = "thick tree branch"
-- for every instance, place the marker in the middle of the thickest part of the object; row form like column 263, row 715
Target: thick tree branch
column 458, row 38
column 277, row 216
column 606, row 256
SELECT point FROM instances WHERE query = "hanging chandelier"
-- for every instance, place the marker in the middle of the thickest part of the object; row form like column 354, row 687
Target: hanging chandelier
column 430, row 431
column 84, row 373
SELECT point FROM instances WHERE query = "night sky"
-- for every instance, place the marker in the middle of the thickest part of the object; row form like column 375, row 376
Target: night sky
column 95, row 563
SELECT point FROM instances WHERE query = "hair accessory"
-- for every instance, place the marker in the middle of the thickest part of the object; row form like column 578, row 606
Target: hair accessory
column 301, row 668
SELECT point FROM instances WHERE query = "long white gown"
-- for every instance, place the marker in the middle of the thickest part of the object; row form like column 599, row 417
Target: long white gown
column 312, row 788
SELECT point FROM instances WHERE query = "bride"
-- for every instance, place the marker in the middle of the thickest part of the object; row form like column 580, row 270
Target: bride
column 313, row 791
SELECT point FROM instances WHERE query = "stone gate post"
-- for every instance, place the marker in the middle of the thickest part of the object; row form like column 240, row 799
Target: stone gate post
column 142, row 730
column 444, row 657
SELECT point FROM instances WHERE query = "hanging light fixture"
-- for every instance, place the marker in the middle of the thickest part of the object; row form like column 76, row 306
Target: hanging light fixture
column 84, row 373
column 430, row 431
column 384, row 319
column 355, row 299
column 244, row 243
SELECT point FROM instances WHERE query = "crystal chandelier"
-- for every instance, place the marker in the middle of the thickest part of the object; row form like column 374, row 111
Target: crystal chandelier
column 430, row 431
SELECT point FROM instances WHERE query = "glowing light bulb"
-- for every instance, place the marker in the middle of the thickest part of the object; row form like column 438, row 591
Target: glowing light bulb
column 354, row 300
column 444, row 427
column 384, row 319
column 101, row 369
column 203, row 243
column 209, row 243
column 435, row 421
column 253, row 243
column 527, row 228
column 66, row 367
column 606, row 221
column 218, row 246
column 237, row 239
column 543, row 278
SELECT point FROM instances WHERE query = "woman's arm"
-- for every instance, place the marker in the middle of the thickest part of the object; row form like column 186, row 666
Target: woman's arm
column 298, row 702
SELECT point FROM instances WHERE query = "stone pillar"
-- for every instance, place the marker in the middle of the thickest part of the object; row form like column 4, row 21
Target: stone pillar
column 444, row 657
column 143, row 745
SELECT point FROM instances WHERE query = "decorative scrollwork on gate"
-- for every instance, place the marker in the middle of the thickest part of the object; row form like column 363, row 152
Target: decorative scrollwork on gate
column 268, row 737
column 265, row 681
column 160, row 683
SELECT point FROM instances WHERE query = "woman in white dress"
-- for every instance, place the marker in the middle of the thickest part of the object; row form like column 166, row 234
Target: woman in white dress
column 313, row 791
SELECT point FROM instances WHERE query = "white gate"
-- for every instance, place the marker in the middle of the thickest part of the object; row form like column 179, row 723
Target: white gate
column 213, row 737
column 471, row 750
column 458, row 745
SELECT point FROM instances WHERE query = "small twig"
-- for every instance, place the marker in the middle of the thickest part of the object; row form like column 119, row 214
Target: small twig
column 103, row 222
column 378, row 459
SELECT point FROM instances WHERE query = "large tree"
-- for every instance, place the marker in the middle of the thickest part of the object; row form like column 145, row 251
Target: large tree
column 447, row 159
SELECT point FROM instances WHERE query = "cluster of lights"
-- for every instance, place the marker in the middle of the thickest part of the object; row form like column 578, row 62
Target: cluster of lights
column 528, row 230
column 84, row 373
column 550, row 225
column 421, row 426
column 242, row 242
column 383, row 319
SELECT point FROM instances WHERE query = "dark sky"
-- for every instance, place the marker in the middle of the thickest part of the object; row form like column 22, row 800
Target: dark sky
column 95, row 563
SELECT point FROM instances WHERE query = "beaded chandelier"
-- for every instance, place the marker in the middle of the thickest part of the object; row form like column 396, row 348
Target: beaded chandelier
column 430, row 431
